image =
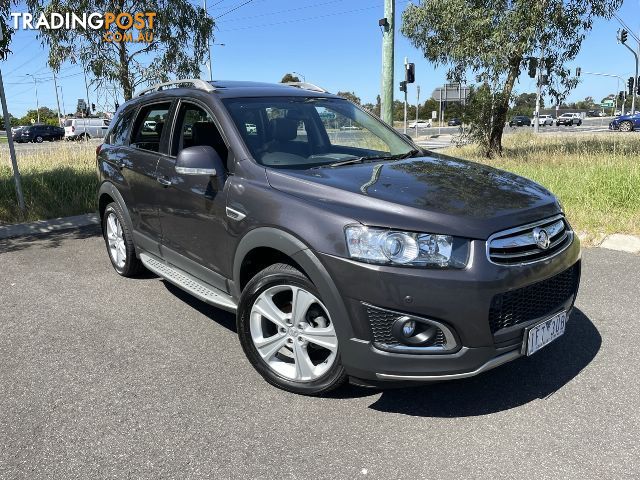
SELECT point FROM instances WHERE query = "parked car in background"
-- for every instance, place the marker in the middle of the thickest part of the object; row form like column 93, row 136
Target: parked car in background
column 520, row 121
column 370, row 259
column 569, row 119
column 617, row 113
column 420, row 124
column 544, row 120
column 85, row 128
column 16, row 132
column 625, row 123
column 40, row 133
column 454, row 122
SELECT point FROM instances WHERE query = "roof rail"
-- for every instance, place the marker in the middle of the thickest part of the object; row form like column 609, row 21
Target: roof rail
column 194, row 82
column 307, row 86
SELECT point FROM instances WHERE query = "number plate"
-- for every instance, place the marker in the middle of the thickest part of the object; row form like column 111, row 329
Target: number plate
column 544, row 333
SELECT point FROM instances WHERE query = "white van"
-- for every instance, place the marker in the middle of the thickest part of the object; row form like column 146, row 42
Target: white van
column 85, row 128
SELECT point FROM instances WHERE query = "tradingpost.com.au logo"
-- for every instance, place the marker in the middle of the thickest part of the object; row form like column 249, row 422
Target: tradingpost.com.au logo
column 130, row 27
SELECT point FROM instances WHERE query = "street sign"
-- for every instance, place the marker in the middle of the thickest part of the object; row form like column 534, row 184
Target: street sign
column 434, row 114
column 327, row 115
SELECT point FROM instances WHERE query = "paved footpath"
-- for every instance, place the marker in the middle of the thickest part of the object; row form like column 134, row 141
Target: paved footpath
column 106, row 377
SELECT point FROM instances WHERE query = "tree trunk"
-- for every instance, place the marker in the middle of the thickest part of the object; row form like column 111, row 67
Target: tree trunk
column 125, row 79
column 502, row 109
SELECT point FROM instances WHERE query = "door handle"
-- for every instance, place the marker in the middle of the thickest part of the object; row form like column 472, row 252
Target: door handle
column 164, row 181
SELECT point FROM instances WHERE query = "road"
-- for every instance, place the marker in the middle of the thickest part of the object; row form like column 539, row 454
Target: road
column 106, row 377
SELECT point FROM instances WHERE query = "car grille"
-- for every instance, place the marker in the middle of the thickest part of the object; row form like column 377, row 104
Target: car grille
column 533, row 301
column 519, row 245
column 381, row 322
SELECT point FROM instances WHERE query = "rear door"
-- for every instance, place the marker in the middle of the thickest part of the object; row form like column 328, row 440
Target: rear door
column 138, row 161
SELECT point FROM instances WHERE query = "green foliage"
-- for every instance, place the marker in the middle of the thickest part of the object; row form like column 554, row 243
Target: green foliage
column 289, row 77
column 47, row 117
column 350, row 96
column 493, row 39
column 181, row 32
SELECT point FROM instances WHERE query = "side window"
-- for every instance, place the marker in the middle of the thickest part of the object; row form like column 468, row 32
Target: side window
column 194, row 127
column 120, row 131
column 147, row 129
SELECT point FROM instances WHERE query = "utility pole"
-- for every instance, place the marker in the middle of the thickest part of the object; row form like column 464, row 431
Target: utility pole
column 55, row 85
column 35, row 83
column 204, row 5
column 64, row 111
column 12, row 149
column 406, row 62
column 388, row 26
column 417, row 107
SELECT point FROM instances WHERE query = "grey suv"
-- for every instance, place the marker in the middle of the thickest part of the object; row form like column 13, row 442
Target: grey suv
column 346, row 253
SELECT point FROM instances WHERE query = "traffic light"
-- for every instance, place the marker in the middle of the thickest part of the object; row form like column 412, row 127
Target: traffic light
column 93, row 107
column 623, row 35
column 638, row 86
column 533, row 67
column 578, row 71
column 410, row 73
column 403, row 86
column 630, row 85
column 621, row 96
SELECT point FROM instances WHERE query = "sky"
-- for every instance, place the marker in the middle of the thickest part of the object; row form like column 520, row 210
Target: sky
column 335, row 44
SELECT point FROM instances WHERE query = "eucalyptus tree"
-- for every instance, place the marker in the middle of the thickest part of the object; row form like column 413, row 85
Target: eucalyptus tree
column 493, row 40
column 175, row 44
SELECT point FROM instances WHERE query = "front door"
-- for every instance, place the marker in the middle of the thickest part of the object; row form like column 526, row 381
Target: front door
column 192, row 209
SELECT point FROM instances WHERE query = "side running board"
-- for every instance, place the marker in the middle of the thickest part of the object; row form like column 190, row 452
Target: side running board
column 190, row 284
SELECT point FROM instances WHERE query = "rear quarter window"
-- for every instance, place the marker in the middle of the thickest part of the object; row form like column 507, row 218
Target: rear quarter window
column 120, row 131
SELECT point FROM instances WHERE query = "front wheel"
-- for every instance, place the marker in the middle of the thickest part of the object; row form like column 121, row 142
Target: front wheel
column 626, row 127
column 39, row 139
column 287, row 332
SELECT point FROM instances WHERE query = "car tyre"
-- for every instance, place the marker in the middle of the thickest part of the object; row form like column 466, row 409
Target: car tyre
column 118, row 239
column 626, row 126
column 39, row 139
column 282, row 323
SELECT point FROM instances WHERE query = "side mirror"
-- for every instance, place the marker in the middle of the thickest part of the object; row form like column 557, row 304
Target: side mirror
column 200, row 160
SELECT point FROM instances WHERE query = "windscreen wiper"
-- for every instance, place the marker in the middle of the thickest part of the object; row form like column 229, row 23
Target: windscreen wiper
column 353, row 161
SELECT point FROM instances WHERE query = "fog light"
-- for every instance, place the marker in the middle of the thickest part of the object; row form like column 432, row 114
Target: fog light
column 409, row 328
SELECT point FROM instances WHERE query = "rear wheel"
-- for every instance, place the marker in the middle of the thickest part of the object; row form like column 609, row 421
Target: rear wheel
column 287, row 333
column 119, row 242
column 626, row 126
column 39, row 139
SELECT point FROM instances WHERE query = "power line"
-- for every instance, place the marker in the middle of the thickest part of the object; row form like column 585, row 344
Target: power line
column 233, row 9
column 284, row 11
column 303, row 19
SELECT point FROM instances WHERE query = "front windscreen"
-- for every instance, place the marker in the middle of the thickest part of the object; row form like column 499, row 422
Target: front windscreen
column 300, row 132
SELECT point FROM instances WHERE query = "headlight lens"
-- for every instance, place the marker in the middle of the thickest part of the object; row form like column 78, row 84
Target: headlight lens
column 375, row 245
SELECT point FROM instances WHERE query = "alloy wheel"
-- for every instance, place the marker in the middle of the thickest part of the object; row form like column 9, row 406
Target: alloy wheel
column 115, row 239
column 625, row 127
column 293, row 333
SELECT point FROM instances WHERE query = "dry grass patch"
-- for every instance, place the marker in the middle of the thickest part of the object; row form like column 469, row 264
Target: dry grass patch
column 595, row 176
column 58, row 181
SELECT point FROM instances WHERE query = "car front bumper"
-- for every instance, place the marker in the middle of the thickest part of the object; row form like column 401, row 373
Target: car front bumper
column 458, row 299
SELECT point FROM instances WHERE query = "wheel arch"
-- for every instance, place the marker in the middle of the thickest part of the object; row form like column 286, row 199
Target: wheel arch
column 289, row 246
column 108, row 193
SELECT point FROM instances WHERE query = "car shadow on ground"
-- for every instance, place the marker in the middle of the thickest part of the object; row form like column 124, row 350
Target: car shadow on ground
column 48, row 239
column 506, row 387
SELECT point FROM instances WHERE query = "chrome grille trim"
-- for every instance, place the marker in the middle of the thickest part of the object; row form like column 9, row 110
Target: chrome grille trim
column 516, row 246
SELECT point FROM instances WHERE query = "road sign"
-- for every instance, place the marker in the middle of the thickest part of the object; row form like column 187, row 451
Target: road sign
column 327, row 115
column 434, row 114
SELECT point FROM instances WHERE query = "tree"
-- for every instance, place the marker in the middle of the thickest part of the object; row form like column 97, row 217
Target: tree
column 350, row 96
column 288, row 77
column 525, row 104
column 47, row 117
column 493, row 40
column 175, row 43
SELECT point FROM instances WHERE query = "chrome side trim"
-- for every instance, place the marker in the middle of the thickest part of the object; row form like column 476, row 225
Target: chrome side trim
column 196, row 171
column 493, row 363
column 235, row 214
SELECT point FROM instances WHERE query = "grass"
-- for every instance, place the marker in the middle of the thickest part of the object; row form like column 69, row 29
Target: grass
column 595, row 176
column 57, row 182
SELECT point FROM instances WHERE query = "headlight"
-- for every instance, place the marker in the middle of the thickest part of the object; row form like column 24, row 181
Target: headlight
column 376, row 245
